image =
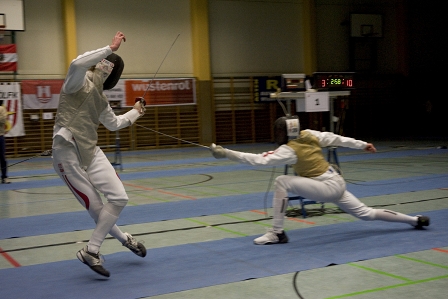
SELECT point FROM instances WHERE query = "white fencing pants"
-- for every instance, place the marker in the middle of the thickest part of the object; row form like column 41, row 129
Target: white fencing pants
column 86, row 185
column 329, row 187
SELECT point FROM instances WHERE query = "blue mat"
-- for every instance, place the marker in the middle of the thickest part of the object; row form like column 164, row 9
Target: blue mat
column 185, row 267
column 71, row 221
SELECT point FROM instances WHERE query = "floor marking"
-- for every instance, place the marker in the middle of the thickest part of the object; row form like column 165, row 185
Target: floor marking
column 380, row 272
column 409, row 281
column 247, row 220
column 441, row 250
column 158, row 190
column 292, row 219
column 9, row 259
column 217, row 227
column 420, row 261
column 388, row 287
column 300, row 220
column 259, row 212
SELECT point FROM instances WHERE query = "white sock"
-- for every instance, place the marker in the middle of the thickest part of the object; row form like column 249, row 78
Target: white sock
column 106, row 220
column 118, row 234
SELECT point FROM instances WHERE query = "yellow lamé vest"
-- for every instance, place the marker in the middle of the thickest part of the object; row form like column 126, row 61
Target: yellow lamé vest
column 310, row 159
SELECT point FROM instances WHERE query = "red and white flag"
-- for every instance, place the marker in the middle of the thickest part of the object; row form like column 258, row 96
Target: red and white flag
column 8, row 58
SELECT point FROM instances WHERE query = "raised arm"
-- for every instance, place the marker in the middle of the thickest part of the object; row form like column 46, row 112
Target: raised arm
column 79, row 66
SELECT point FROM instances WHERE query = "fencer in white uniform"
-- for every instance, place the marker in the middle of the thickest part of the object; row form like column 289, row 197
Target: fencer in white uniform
column 316, row 179
column 78, row 160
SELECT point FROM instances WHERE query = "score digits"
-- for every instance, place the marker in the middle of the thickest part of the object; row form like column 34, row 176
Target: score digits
column 335, row 81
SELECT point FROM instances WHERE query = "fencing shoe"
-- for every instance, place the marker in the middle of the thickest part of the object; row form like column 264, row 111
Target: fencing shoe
column 134, row 246
column 271, row 237
column 93, row 260
column 422, row 221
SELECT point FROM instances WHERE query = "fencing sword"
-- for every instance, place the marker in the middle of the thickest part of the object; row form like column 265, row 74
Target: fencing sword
column 183, row 140
column 142, row 100
column 44, row 153
column 160, row 65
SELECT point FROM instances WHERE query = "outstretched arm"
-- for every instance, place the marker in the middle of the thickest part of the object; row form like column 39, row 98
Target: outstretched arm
column 331, row 139
column 281, row 156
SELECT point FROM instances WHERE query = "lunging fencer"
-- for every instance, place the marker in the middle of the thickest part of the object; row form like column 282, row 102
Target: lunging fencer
column 316, row 179
column 78, row 160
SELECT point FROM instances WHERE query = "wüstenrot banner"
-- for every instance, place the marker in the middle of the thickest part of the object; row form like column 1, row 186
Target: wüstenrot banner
column 162, row 92
column 44, row 94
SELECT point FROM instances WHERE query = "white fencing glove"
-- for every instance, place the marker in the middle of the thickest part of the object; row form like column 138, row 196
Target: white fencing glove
column 140, row 105
column 218, row 151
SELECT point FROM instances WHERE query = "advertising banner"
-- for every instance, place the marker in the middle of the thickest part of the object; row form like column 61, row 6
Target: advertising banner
column 264, row 86
column 162, row 92
column 41, row 94
column 10, row 96
column 44, row 94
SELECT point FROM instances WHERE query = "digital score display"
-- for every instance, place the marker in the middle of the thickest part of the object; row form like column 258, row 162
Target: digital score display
column 334, row 81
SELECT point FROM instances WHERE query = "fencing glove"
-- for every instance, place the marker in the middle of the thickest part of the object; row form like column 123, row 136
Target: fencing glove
column 140, row 105
column 218, row 151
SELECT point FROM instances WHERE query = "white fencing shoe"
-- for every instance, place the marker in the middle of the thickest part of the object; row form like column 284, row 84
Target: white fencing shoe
column 271, row 237
column 134, row 246
column 93, row 260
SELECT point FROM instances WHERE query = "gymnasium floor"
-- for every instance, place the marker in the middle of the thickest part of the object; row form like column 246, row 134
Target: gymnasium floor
column 198, row 216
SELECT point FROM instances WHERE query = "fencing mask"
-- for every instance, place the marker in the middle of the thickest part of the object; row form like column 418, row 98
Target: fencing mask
column 112, row 67
column 286, row 127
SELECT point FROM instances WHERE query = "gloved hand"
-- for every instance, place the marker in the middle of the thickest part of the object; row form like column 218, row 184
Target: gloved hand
column 218, row 151
column 140, row 105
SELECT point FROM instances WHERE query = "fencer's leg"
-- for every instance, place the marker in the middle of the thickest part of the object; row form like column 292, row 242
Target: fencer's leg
column 106, row 220
column 353, row 206
column 104, row 178
column 280, row 204
column 115, row 232
column 66, row 164
column 306, row 187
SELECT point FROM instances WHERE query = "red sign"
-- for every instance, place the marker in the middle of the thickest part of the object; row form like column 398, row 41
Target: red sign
column 41, row 94
column 176, row 91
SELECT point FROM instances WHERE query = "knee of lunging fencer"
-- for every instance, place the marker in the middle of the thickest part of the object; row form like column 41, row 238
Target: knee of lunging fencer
column 367, row 215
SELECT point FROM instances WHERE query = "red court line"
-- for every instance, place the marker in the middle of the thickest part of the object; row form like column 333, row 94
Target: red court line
column 161, row 191
column 300, row 220
column 441, row 250
column 258, row 212
column 9, row 259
